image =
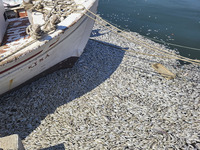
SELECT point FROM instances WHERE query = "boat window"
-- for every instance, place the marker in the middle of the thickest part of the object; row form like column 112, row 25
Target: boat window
column 5, row 17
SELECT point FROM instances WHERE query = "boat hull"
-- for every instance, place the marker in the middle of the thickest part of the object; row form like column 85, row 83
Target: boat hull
column 66, row 45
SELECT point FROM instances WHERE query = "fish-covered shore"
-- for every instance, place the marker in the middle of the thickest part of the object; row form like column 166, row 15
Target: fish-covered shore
column 110, row 99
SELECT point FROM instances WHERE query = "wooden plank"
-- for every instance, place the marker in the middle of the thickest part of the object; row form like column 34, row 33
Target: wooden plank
column 163, row 71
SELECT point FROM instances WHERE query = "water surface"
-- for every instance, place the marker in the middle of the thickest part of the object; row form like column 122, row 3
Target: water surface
column 176, row 22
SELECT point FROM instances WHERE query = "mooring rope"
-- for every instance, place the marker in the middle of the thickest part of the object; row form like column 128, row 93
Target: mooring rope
column 61, row 9
column 156, row 40
column 53, row 13
column 137, row 41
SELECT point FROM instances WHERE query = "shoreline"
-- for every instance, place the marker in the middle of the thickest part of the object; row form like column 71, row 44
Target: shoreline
column 110, row 99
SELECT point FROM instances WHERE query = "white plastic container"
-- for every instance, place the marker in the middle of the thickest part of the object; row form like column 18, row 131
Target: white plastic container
column 3, row 21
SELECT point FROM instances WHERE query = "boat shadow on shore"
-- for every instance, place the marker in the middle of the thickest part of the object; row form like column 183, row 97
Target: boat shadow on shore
column 23, row 110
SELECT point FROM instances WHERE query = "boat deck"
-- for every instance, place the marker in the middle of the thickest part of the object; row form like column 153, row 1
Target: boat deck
column 15, row 35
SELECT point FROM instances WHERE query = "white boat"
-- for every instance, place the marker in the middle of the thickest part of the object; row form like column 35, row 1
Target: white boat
column 24, row 56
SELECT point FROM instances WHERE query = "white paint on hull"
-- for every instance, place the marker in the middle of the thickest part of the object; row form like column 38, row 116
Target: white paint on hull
column 68, row 44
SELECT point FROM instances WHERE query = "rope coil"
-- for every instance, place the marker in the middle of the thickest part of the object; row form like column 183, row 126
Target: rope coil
column 53, row 12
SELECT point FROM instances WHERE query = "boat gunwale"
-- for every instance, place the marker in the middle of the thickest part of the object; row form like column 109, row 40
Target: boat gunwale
column 44, row 40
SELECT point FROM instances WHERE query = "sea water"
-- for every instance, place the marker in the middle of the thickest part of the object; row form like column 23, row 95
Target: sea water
column 169, row 21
